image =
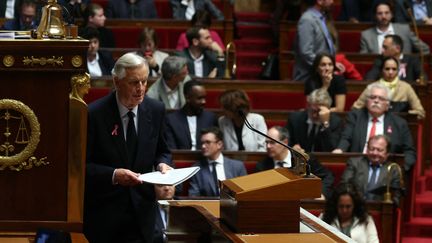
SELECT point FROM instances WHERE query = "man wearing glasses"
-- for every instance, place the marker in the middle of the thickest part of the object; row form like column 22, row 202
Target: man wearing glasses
column 374, row 119
column 214, row 167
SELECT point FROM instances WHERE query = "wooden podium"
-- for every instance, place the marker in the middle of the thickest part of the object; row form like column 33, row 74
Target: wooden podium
column 42, row 136
column 266, row 202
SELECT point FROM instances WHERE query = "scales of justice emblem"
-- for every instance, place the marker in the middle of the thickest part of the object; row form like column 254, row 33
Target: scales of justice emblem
column 19, row 136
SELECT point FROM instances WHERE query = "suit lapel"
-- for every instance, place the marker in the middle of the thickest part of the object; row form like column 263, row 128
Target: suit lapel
column 363, row 128
column 208, row 177
column 162, row 92
column 365, row 177
column 185, row 127
column 144, row 128
column 229, row 171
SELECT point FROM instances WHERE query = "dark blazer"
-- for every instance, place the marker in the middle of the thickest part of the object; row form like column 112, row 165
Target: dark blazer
column 159, row 228
column 202, row 184
column 3, row 7
column 179, row 10
column 401, row 14
column 412, row 67
column 121, row 9
column 325, row 140
column 105, row 204
column 357, row 172
column 316, row 169
column 106, row 62
column 354, row 135
column 210, row 61
column 178, row 133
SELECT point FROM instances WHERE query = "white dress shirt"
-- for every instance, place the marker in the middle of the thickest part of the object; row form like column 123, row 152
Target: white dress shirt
column 219, row 167
column 192, row 122
column 382, row 34
column 286, row 161
column 379, row 128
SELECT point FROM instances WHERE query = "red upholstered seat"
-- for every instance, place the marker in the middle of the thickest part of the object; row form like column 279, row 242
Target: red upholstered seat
column 96, row 93
column 336, row 168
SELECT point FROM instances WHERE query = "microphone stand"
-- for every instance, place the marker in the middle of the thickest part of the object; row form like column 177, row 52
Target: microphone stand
column 300, row 165
column 422, row 80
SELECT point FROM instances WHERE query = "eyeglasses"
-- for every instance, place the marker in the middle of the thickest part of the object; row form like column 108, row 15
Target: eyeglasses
column 374, row 97
column 207, row 142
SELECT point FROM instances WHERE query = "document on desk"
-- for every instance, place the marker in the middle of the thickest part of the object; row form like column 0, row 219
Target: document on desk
column 171, row 177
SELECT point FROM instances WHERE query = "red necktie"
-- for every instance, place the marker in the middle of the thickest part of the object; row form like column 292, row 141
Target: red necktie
column 373, row 128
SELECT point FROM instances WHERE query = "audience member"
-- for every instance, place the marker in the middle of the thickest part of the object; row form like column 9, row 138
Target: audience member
column 279, row 156
column 372, row 38
column 25, row 17
column 323, row 77
column 7, row 8
column 204, row 58
column 356, row 11
column 184, row 125
column 346, row 211
column 369, row 173
column 131, row 9
column 125, row 138
column 409, row 66
column 169, row 87
column 75, row 8
column 421, row 9
column 214, row 166
column 185, row 9
column 94, row 17
column 237, row 136
column 313, row 37
column 374, row 119
column 315, row 129
column 290, row 9
column 403, row 96
column 162, row 192
column 200, row 18
column 148, row 43
column 99, row 62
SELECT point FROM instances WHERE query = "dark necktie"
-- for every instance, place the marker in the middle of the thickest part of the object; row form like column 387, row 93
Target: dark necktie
column 311, row 137
column 280, row 164
column 131, row 138
column 215, row 178
column 371, row 183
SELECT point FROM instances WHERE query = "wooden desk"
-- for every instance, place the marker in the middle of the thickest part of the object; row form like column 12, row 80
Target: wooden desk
column 198, row 220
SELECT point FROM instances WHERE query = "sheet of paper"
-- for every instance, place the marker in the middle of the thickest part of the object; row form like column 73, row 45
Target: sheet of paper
column 172, row 177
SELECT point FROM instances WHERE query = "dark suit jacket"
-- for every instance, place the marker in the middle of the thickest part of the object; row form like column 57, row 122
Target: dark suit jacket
column 3, row 7
column 357, row 172
column 210, row 61
column 316, row 169
column 106, row 62
column 401, row 14
column 325, row 140
column 202, row 184
column 106, row 204
column 354, row 135
column 178, row 133
column 412, row 67
column 179, row 10
column 159, row 228
column 121, row 9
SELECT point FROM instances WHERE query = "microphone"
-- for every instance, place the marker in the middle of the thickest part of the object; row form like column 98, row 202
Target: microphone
column 301, row 165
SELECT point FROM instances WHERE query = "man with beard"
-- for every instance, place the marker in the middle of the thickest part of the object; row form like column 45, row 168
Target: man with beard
column 184, row 125
column 369, row 172
column 374, row 119
column 313, row 37
column 372, row 39
column 205, row 57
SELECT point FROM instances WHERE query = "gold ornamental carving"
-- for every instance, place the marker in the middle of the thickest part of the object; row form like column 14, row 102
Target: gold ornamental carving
column 17, row 143
column 80, row 87
column 54, row 61
column 76, row 61
column 8, row 61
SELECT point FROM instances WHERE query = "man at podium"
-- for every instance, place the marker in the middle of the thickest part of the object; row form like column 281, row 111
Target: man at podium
column 125, row 138
column 279, row 156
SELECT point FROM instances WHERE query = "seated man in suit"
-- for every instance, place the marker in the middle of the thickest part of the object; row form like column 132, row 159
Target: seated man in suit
column 131, row 9
column 374, row 119
column 99, row 62
column 409, row 67
column 169, row 87
column 369, row 172
column 372, row 39
column 25, row 17
column 280, row 156
column 214, row 165
column 185, row 9
column 163, row 192
column 315, row 129
column 205, row 57
column 184, row 125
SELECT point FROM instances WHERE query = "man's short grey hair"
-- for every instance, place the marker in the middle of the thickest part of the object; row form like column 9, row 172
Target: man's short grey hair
column 128, row 60
column 378, row 85
column 320, row 96
column 171, row 66
column 283, row 132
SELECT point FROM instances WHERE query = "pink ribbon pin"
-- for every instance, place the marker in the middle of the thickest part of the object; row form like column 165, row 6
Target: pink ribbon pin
column 114, row 131
column 389, row 129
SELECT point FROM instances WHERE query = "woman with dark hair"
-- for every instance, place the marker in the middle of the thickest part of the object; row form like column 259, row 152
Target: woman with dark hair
column 346, row 210
column 403, row 97
column 200, row 18
column 236, row 135
column 148, row 43
column 323, row 77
